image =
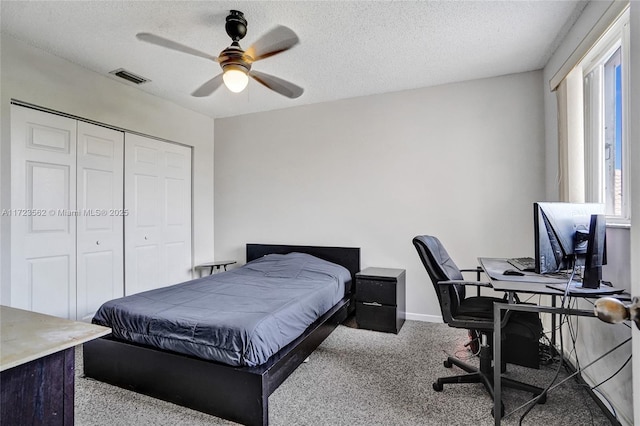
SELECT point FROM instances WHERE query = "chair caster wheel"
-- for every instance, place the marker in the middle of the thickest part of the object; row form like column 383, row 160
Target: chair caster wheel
column 447, row 364
column 437, row 386
column 543, row 398
column 501, row 411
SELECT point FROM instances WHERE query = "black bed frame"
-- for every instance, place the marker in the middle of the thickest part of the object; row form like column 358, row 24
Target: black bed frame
column 239, row 394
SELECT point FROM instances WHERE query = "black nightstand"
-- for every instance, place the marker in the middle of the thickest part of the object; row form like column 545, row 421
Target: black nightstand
column 380, row 299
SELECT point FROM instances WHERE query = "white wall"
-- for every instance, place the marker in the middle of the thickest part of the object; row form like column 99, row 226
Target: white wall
column 373, row 172
column 32, row 75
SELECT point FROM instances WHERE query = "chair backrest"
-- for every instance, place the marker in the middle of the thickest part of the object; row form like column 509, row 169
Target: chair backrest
column 440, row 267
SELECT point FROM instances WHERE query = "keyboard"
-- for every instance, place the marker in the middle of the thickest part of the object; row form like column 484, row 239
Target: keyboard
column 523, row 263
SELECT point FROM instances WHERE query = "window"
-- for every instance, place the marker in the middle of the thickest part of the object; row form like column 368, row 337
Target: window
column 605, row 73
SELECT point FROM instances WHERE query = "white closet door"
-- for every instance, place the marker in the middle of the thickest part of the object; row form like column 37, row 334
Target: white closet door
column 43, row 199
column 100, row 223
column 158, row 227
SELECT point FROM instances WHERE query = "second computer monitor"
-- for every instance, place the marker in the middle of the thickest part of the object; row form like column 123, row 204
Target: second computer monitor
column 559, row 231
column 596, row 252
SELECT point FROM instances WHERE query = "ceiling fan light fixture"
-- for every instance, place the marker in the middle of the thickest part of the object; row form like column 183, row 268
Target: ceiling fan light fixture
column 235, row 62
column 235, row 78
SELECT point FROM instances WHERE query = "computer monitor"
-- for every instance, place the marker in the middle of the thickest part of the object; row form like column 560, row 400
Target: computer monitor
column 596, row 252
column 561, row 234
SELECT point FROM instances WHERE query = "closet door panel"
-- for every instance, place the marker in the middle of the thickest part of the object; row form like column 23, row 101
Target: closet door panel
column 158, row 228
column 100, row 221
column 99, row 282
column 177, row 212
column 145, row 261
column 147, row 204
column 143, row 225
column 48, row 285
column 176, row 258
column 43, row 200
column 48, row 191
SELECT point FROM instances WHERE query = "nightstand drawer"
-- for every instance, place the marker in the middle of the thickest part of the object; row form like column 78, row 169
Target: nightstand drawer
column 382, row 292
column 376, row 317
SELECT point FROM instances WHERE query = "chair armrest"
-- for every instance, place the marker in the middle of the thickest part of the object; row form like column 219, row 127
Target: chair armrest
column 478, row 271
column 478, row 284
column 464, row 282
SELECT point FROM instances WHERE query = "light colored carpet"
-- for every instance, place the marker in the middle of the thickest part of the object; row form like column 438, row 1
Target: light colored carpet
column 362, row 377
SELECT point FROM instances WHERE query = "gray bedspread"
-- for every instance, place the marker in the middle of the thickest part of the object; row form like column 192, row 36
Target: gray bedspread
column 240, row 317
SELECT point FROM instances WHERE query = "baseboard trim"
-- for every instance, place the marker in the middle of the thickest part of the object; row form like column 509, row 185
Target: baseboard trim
column 424, row 317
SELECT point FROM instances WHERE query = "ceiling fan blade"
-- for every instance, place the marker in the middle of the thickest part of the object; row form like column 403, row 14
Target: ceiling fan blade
column 170, row 44
column 276, row 84
column 275, row 41
column 209, row 87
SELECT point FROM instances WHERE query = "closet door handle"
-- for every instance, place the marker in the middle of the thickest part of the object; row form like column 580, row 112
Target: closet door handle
column 97, row 243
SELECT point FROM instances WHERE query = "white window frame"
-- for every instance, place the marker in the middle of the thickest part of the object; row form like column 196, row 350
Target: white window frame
column 618, row 36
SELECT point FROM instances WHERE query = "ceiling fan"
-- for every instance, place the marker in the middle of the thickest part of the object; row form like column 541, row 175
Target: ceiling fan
column 235, row 62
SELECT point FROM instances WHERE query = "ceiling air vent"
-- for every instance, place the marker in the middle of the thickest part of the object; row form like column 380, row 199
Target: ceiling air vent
column 129, row 76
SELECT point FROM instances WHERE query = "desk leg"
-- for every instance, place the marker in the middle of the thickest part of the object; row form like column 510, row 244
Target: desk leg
column 497, row 363
column 553, row 324
column 217, row 269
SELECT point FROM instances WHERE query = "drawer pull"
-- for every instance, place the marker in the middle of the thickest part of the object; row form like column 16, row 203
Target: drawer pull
column 372, row 303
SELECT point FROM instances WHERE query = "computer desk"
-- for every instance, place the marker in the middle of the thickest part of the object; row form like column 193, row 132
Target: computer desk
column 530, row 283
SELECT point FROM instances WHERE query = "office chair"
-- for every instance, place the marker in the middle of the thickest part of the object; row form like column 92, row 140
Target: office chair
column 471, row 313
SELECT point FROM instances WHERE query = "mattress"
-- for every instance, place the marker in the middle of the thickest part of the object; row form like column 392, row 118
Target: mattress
column 240, row 317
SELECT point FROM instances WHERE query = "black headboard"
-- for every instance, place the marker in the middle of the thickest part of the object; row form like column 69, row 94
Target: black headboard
column 349, row 257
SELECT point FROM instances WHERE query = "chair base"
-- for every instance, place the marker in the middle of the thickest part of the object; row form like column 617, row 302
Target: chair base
column 484, row 375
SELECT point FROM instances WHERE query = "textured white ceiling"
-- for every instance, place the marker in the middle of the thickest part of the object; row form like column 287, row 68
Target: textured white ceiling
column 346, row 49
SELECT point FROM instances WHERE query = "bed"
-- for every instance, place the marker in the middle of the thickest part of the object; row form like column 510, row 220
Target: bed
column 237, row 386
